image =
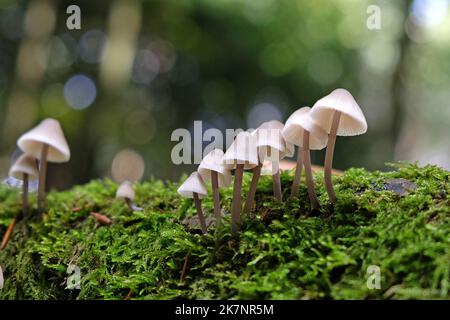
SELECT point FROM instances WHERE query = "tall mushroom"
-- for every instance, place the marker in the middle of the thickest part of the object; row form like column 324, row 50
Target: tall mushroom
column 242, row 154
column 302, row 130
column 271, row 147
column 125, row 191
column 338, row 114
column 25, row 169
column 45, row 142
column 212, row 168
column 194, row 187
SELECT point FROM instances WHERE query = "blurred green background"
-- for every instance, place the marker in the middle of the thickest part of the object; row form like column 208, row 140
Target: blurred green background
column 137, row 70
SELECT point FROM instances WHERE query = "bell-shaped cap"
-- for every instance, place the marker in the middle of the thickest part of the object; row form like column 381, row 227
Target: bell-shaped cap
column 125, row 190
column 352, row 120
column 25, row 164
column 193, row 184
column 270, row 141
column 47, row 132
column 213, row 161
column 243, row 150
column 296, row 125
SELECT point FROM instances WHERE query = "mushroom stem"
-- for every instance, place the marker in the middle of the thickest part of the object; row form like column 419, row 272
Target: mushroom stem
column 237, row 199
column 201, row 218
column 25, row 195
column 215, row 189
column 8, row 233
column 298, row 172
column 308, row 172
column 276, row 181
column 42, row 176
column 329, row 156
column 252, row 190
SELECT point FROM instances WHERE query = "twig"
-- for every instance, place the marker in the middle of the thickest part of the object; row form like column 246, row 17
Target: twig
column 185, row 268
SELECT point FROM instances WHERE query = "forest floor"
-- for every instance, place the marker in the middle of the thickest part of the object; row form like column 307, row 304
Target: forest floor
column 397, row 221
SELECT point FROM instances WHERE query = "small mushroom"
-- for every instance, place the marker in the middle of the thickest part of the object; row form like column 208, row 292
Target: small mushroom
column 126, row 192
column 2, row 280
column 242, row 154
column 271, row 147
column 300, row 129
column 338, row 114
column 212, row 168
column 45, row 142
column 24, row 169
column 194, row 187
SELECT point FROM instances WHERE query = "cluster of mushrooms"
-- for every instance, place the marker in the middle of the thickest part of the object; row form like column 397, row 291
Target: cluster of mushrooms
column 44, row 143
column 337, row 114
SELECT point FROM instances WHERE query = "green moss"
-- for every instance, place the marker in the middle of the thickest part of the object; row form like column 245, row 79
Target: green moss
column 284, row 250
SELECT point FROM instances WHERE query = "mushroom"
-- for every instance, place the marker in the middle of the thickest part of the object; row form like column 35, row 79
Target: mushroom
column 271, row 146
column 338, row 114
column 212, row 168
column 45, row 142
column 126, row 192
column 25, row 169
column 194, row 187
column 242, row 154
column 300, row 129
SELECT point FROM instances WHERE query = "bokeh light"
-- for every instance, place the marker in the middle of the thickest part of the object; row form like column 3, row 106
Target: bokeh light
column 127, row 165
column 91, row 46
column 80, row 92
column 262, row 112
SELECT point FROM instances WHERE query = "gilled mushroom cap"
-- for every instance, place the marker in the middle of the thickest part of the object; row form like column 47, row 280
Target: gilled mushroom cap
column 125, row 190
column 213, row 161
column 296, row 125
column 193, row 184
column 352, row 120
column 25, row 164
column 49, row 132
column 269, row 137
column 243, row 150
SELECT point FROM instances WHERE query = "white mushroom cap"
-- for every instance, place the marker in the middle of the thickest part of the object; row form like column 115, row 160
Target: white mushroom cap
column 25, row 164
column 269, row 137
column 125, row 190
column 243, row 150
column 49, row 132
column 1, row 278
column 193, row 184
column 352, row 120
column 213, row 161
column 300, row 121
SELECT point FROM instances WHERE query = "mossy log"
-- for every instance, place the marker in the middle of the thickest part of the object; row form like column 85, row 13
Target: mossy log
column 398, row 221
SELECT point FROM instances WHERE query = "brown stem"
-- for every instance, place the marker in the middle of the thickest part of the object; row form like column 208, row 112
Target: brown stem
column 308, row 172
column 201, row 217
column 25, row 195
column 8, row 234
column 276, row 182
column 215, row 189
column 237, row 199
column 252, row 190
column 329, row 156
column 42, row 176
column 298, row 172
